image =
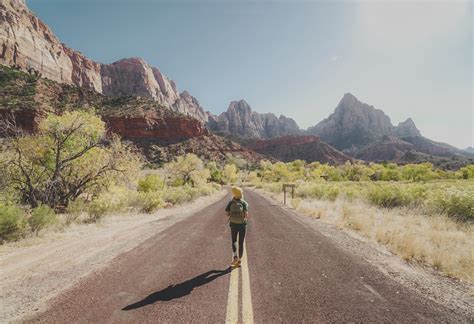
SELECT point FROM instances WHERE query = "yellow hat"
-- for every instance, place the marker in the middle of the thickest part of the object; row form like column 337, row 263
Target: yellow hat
column 237, row 192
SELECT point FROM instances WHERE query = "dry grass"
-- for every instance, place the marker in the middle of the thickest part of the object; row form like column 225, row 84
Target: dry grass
column 437, row 241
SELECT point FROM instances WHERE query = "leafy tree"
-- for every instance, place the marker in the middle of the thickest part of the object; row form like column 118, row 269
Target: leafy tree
column 467, row 171
column 186, row 170
column 230, row 173
column 214, row 171
column 68, row 157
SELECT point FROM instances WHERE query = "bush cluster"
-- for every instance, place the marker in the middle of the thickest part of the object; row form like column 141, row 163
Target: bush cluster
column 16, row 222
column 454, row 198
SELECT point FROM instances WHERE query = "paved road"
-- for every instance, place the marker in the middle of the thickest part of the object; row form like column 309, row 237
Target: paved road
column 291, row 274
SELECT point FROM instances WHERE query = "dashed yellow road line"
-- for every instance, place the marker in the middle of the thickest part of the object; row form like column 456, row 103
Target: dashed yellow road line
column 232, row 315
column 247, row 310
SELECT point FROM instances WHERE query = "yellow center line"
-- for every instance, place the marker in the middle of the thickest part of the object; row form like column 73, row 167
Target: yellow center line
column 232, row 315
column 247, row 310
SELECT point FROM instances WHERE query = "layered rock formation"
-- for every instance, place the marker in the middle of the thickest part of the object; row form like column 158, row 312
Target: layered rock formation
column 153, row 127
column 390, row 148
column 298, row 147
column 209, row 148
column 367, row 133
column 161, row 133
column 407, row 128
column 353, row 123
column 241, row 120
column 29, row 44
column 29, row 98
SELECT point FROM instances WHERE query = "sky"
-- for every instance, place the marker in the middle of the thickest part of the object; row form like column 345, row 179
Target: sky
column 296, row 58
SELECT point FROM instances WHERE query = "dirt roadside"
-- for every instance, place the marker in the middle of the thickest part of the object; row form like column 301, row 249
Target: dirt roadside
column 31, row 275
column 454, row 294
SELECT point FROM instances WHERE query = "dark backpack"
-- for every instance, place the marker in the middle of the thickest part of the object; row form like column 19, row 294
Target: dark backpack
column 236, row 212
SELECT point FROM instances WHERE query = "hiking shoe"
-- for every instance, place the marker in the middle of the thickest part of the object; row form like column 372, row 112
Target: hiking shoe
column 235, row 260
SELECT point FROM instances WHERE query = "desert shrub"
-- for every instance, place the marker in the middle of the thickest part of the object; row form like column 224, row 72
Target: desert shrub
column 175, row 195
column 12, row 223
column 147, row 202
column 467, row 172
column 388, row 196
column 97, row 209
column 454, row 203
column 150, row 183
column 41, row 217
column 331, row 193
column 74, row 210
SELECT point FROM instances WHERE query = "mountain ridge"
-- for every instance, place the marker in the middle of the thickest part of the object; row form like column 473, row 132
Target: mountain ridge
column 355, row 128
column 30, row 45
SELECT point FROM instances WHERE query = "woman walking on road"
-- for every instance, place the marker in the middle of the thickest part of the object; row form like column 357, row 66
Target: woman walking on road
column 238, row 211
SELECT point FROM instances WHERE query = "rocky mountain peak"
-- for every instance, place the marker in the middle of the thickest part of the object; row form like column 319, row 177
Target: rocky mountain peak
column 28, row 44
column 407, row 129
column 241, row 120
column 349, row 98
column 353, row 123
column 13, row 3
column 240, row 107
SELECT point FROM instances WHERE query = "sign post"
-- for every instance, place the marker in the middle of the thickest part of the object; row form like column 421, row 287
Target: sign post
column 290, row 186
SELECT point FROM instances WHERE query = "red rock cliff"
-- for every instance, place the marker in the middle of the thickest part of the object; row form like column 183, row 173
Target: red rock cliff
column 149, row 127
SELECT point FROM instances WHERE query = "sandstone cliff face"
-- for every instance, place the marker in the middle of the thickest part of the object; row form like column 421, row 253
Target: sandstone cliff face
column 353, row 123
column 29, row 44
column 155, row 128
column 239, row 119
column 29, row 98
column 407, row 128
column 367, row 133
column 26, row 42
column 190, row 106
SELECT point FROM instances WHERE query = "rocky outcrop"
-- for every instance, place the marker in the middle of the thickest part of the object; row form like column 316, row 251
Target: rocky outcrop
column 406, row 128
column 208, row 147
column 189, row 105
column 29, row 98
column 29, row 44
column 150, row 127
column 430, row 147
column 298, row 147
column 367, row 133
column 241, row 120
column 27, row 120
column 353, row 123
column 390, row 148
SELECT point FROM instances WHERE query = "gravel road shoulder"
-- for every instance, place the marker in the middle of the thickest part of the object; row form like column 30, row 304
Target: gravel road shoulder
column 456, row 295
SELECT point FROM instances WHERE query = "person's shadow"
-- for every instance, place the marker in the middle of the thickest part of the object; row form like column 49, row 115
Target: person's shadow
column 179, row 290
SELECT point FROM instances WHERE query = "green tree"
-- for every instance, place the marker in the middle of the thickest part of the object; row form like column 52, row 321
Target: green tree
column 230, row 173
column 68, row 156
column 185, row 170
column 215, row 172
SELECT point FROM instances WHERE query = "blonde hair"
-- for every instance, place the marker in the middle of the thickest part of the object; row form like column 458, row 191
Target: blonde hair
column 237, row 192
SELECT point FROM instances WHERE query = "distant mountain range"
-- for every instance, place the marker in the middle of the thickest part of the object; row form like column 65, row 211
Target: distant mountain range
column 354, row 131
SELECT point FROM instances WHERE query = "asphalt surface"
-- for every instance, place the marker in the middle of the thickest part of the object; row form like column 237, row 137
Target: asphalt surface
column 292, row 274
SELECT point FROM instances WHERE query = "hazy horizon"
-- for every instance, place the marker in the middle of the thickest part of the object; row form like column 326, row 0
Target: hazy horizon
column 296, row 59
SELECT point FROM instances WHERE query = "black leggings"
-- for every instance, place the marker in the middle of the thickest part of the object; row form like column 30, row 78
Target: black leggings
column 239, row 229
